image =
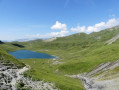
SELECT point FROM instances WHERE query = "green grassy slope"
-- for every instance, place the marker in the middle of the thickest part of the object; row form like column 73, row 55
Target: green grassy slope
column 75, row 41
column 43, row 69
column 7, row 46
column 7, row 58
column 88, row 59
column 78, row 53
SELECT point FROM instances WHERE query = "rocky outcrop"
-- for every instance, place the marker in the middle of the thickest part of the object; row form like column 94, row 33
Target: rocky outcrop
column 92, row 81
column 12, row 78
column 7, row 74
column 113, row 39
column 103, row 67
column 113, row 28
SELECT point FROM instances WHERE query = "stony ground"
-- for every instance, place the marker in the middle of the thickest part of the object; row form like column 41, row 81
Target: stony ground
column 12, row 78
column 91, row 81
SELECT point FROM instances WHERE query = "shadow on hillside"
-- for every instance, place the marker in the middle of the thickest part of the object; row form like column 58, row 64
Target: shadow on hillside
column 18, row 45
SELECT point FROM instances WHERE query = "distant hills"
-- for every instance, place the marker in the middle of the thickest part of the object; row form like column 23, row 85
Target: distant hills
column 78, row 54
column 79, row 40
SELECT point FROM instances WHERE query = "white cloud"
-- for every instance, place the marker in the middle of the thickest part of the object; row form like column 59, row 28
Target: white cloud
column 63, row 29
column 79, row 29
column 58, row 34
column 97, row 27
column 58, row 26
column 49, row 35
column 112, row 22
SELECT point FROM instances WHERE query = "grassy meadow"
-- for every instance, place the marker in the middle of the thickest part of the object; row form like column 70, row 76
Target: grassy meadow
column 78, row 53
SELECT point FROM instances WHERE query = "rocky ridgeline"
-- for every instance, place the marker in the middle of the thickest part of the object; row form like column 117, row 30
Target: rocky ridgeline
column 92, row 81
column 113, row 39
column 12, row 78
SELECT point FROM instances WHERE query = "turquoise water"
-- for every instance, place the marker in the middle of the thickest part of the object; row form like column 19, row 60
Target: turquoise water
column 25, row 54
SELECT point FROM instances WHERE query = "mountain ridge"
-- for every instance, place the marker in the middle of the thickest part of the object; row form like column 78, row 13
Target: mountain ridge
column 77, row 54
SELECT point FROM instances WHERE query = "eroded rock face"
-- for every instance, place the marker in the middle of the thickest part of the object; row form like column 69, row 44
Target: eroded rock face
column 91, row 81
column 6, row 75
column 113, row 39
column 12, row 78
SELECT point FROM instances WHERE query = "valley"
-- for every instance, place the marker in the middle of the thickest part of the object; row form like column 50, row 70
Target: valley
column 84, row 61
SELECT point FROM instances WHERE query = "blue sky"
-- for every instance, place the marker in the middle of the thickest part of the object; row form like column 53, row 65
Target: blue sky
column 21, row 19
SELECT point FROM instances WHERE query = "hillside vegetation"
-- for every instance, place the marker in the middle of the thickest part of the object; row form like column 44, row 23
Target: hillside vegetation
column 7, row 58
column 78, row 53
